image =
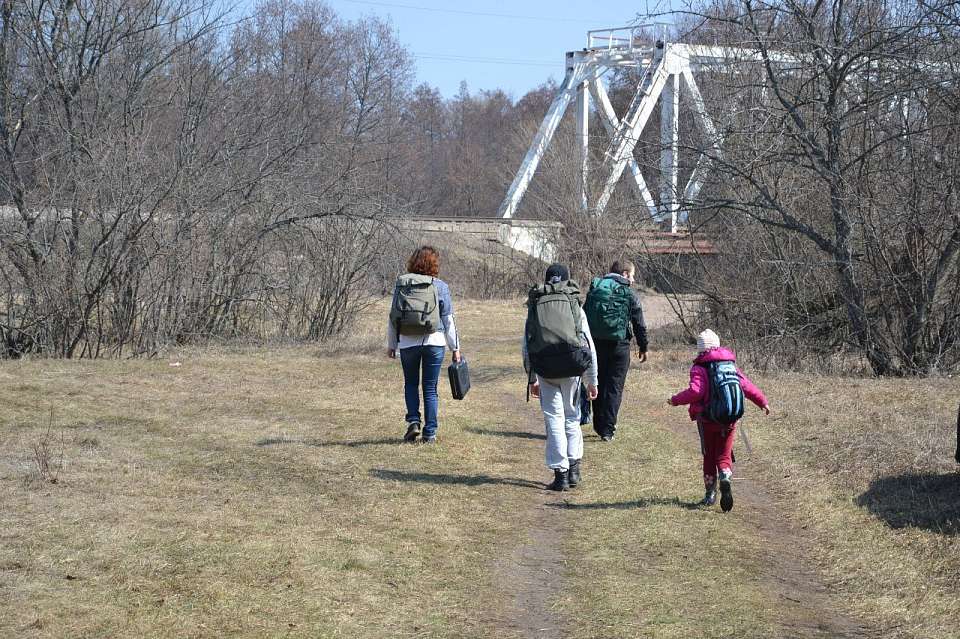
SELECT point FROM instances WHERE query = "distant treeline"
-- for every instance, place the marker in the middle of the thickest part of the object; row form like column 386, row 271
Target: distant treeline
column 170, row 173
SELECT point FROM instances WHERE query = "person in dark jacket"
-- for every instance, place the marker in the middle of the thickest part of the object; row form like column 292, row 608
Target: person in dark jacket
column 613, row 356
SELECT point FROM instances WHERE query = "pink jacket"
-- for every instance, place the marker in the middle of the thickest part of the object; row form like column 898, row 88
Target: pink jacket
column 698, row 393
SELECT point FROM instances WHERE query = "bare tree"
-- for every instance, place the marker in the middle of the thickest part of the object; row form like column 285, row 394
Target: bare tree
column 839, row 176
column 162, row 169
column 77, row 168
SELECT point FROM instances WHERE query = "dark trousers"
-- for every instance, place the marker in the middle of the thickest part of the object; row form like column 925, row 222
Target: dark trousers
column 585, row 405
column 613, row 363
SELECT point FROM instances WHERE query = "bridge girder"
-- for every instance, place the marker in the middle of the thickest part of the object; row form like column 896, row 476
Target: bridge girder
column 665, row 67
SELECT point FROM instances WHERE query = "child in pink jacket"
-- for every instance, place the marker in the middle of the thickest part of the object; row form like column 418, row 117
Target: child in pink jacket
column 716, row 439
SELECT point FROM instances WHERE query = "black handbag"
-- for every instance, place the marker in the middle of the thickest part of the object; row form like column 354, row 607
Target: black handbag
column 459, row 374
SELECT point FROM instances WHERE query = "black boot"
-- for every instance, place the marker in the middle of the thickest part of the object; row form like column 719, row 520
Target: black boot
column 726, row 491
column 573, row 475
column 413, row 431
column 560, row 481
column 710, row 494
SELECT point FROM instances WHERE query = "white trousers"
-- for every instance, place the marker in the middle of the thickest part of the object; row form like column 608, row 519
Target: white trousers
column 560, row 402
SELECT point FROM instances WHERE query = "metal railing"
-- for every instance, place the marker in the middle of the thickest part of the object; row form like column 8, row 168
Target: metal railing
column 629, row 38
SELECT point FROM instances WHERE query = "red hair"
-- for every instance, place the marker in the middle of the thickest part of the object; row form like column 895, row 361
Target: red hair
column 424, row 261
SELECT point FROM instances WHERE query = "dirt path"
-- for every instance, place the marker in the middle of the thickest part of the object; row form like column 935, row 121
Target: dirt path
column 807, row 608
column 532, row 572
column 658, row 310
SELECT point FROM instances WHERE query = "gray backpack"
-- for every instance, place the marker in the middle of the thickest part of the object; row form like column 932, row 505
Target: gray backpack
column 554, row 331
column 416, row 307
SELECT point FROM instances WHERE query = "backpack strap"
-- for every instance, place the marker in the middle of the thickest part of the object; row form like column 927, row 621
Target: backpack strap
column 575, row 309
column 393, row 304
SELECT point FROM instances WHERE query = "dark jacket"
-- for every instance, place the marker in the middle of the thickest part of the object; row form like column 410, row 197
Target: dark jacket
column 636, row 327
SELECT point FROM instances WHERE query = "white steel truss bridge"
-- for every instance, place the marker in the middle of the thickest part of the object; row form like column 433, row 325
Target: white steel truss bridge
column 664, row 66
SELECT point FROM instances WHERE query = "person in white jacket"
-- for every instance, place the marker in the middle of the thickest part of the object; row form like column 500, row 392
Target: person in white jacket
column 560, row 403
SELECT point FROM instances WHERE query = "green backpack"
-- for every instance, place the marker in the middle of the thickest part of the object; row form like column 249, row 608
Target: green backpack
column 415, row 309
column 553, row 331
column 608, row 309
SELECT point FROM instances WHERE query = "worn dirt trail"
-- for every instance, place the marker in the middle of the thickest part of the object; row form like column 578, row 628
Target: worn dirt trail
column 807, row 607
column 533, row 570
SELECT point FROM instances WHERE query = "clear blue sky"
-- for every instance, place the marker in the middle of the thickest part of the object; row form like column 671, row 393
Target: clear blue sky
column 513, row 45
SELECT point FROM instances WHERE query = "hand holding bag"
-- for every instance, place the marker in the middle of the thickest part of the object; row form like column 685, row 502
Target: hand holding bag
column 459, row 374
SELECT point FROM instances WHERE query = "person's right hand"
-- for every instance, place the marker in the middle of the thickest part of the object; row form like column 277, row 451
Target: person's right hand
column 592, row 391
column 535, row 389
column 766, row 409
column 392, row 353
column 642, row 356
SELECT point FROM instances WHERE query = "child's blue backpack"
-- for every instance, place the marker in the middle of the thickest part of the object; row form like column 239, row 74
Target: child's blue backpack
column 725, row 405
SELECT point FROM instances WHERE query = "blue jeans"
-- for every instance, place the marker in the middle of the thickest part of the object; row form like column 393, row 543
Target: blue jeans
column 431, row 359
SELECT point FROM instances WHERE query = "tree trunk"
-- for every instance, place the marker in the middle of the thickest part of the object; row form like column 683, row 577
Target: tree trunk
column 850, row 289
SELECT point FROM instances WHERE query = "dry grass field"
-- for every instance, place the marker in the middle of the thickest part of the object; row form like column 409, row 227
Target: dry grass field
column 266, row 493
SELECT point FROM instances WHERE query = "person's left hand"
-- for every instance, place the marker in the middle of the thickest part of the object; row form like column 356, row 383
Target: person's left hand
column 592, row 392
column 670, row 401
column 457, row 357
column 642, row 356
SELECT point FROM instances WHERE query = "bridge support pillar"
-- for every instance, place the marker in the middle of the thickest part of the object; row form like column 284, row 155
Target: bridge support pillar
column 583, row 141
column 670, row 150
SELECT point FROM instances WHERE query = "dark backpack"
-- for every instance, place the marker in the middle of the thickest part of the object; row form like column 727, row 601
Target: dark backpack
column 725, row 405
column 416, row 307
column 608, row 309
column 554, row 331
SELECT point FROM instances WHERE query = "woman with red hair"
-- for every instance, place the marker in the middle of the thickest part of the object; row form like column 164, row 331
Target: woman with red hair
column 420, row 326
